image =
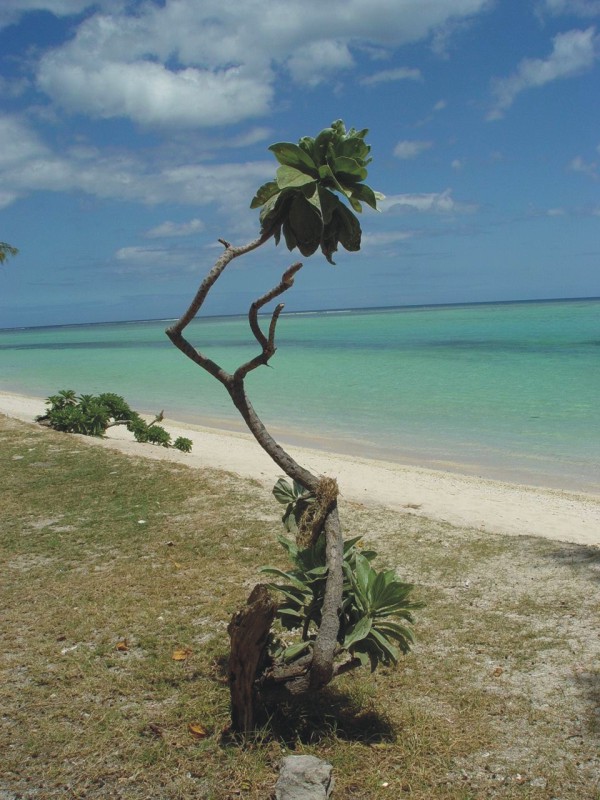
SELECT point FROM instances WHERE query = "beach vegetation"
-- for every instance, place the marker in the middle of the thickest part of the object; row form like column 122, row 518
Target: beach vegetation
column 93, row 415
column 343, row 612
column 6, row 250
column 183, row 443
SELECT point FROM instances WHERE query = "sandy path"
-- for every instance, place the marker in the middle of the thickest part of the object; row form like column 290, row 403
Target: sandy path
column 460, row 500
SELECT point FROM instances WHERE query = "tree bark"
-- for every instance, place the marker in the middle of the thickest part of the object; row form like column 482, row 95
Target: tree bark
column 249, row 633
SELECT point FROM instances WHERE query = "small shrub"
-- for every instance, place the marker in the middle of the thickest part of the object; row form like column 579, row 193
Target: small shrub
column 158, row 435
column 92, row 415
column 370, row 600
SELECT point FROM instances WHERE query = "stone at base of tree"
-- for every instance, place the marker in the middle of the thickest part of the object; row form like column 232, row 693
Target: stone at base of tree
column 304, row 778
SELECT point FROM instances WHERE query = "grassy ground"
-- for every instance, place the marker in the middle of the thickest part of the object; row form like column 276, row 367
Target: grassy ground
column 111, row 564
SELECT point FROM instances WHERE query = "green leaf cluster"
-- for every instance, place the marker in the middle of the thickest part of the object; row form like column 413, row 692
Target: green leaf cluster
column 369, row 602
column 91, row 415
column 296, row 500
column 304, row 202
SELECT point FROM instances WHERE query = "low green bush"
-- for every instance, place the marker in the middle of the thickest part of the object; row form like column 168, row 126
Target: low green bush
column 370, row 601
column 92, row 415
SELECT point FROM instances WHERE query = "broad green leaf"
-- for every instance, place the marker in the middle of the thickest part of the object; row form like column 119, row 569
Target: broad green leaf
column 289, row 546
column 385, row 644
column 329, row 202
column 294, row 650
column 289, row 518
column 264, row 193
column 288, row 611
column 306, row 224
column 354, row 147
column 360, row 630
column 355, row 204
column 363, row 192
column 290, row 155
column 283, row 491
column 362, row 573
column 348, row 169
column 292, row 177
column 279, row 573
column 349, row 231
column 307, row 143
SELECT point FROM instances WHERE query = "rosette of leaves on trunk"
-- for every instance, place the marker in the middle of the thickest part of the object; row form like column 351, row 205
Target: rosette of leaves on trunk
column 302, row 200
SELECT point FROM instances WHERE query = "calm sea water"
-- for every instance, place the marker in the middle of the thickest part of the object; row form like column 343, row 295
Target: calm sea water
column 510, row 391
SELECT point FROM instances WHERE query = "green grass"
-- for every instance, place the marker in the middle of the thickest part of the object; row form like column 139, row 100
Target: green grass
column 499, row 698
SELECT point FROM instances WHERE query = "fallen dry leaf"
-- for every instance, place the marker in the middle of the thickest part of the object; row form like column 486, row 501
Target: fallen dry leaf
column 122, row 646
column 497, row 672
column 198, row 731
column 181, row 654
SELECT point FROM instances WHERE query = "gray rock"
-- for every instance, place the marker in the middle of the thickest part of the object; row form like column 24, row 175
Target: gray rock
column 304, row 778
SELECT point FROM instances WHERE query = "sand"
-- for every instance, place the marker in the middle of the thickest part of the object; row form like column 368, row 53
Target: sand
column 467, row 501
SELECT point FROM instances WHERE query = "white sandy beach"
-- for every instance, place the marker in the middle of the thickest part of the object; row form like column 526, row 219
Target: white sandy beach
column 460, row 500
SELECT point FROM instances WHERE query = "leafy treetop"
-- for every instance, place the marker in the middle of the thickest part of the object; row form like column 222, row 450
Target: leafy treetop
column 301, row 200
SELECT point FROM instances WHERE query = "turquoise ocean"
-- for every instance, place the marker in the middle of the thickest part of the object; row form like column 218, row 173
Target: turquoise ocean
column 507, row 390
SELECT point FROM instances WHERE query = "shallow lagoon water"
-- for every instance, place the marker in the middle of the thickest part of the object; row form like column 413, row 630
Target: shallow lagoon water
column 507, row 390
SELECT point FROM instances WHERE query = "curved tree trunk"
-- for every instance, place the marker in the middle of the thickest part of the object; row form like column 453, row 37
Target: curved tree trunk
column 249, row 628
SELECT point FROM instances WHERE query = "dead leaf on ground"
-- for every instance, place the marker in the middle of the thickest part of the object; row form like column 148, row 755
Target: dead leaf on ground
column 181, row 654
column 122, row 646
column 497, row 672
column 198, row 731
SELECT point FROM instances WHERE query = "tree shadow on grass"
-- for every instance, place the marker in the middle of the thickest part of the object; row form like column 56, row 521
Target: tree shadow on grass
column 583, row 557
column 325, row 714
column 313, row 718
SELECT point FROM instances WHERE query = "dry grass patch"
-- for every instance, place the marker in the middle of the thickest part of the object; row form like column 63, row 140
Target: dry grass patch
column 112, row 564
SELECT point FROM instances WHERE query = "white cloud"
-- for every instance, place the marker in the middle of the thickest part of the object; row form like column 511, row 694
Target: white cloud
column 458, row 164
column 154, row 261
column 573, row 52
column 312, row 64
column 386, row 237
column 440, row 105
column 578, row 8
column 387, row 75
column 27, row 164
column 168, row 228
column 578, row 164
column 153, row 95
column 426, row 203
column 411, row 148
column 205, row 62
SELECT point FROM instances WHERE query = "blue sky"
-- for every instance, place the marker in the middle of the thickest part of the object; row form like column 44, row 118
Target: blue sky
column 134, row 134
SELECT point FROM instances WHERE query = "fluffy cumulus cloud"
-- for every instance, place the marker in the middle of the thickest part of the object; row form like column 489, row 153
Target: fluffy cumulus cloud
column 204, row 62
column 315, row 62
column 27, row 164
column 573, row 53
column 411, row 148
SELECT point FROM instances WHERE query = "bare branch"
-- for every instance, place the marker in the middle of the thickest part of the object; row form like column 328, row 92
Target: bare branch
column 228, row 255
column 267, row 344
column 175, row 331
